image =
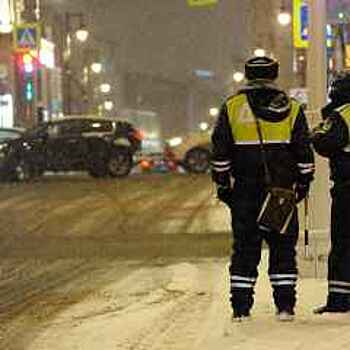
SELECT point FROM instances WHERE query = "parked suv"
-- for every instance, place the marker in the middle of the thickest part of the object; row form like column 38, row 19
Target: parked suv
column 99, row 145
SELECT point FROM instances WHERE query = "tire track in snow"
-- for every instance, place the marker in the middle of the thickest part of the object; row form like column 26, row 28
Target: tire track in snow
column 164, row 309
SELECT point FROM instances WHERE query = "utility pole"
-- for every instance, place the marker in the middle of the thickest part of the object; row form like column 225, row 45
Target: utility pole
column 317, row 94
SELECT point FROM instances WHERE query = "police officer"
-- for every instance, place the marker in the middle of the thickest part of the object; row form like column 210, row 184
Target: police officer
column 237, row 156
column 331, row 140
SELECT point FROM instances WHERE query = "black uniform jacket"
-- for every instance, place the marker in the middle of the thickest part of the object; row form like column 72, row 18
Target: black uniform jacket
column 331, row 139
column 288, row 163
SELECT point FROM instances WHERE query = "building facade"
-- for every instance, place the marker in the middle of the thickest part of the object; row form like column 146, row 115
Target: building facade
column 30, row 65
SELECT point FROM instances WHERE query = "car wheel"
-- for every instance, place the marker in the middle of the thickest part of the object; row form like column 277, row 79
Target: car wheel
column 97, row 168
column 120, row 162
column 197, row 160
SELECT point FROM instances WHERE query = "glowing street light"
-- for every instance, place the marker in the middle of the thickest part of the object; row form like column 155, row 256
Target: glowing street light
column 204, row 126
column 238, row 77
column 108, row 105
column 82, row 34
column 341, row 15
column 284, row 18
column 105, row 88
column 96, row 67
column 259, row 52
column 214, row 112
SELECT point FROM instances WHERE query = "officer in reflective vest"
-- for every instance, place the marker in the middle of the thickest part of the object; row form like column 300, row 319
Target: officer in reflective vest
column 331, row 140
column 238, row 171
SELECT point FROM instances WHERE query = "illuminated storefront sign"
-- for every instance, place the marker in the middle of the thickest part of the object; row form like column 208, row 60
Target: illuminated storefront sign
column 347, row 56
column 6, row 111
column 301, row 25
column 5, row 17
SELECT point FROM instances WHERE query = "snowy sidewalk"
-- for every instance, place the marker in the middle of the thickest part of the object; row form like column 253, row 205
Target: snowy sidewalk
column 184, row 306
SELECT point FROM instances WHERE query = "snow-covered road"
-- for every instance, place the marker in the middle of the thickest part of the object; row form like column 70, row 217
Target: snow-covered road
column 138, row 264
column 184, row 306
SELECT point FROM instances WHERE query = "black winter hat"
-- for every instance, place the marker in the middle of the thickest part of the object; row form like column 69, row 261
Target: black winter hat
column 261, row 68
column 340, row 88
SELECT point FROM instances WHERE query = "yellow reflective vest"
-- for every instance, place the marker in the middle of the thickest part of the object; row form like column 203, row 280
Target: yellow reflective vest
column 344, row 112
column 243, row 125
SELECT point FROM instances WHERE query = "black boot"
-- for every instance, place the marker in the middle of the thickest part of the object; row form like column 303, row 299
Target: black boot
column 241, row 315
column 330, row 308
column 335, row 303
column 286, row 314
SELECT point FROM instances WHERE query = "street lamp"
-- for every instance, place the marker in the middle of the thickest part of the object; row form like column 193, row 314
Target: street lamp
column 284, row 18
column 238, row 77
column 108, row 105
column 96, row 67
column 214, row 112
column 105, row 88
column 82, row 34
column 204, row 126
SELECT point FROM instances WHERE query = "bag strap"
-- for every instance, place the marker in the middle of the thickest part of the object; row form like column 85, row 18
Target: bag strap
column 267, row 174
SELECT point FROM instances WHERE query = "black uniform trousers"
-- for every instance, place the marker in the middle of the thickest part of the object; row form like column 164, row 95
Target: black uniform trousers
column 247, row 245
column 339, row 256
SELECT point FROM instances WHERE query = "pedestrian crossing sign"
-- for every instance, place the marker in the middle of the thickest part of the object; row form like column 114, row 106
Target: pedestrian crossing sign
column 27, row 37
column 201, row 3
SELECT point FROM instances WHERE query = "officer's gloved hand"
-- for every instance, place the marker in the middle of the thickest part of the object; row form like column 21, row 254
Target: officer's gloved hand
column 225, row 195
column 301, row 191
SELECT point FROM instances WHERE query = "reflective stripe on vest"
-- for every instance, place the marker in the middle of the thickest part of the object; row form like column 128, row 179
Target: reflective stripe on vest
column 344, row 111
column 243, row 124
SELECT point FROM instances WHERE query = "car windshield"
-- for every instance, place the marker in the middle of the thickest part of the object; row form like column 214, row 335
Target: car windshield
column 6, row 134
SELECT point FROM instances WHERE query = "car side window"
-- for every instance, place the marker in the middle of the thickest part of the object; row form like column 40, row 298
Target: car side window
column 65, row 128
column 99, row 126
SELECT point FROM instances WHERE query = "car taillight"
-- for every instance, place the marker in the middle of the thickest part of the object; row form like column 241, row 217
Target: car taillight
column 145, row 164
column 138, row 135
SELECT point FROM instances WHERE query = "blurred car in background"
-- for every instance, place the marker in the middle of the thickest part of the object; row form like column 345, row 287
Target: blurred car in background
column 157, row 163
column 10, row 133
column 192, row 151
column 155, row 157
column 102, row 146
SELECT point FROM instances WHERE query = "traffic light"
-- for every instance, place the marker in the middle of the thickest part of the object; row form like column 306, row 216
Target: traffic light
column 26, row 64
column 29, row 90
